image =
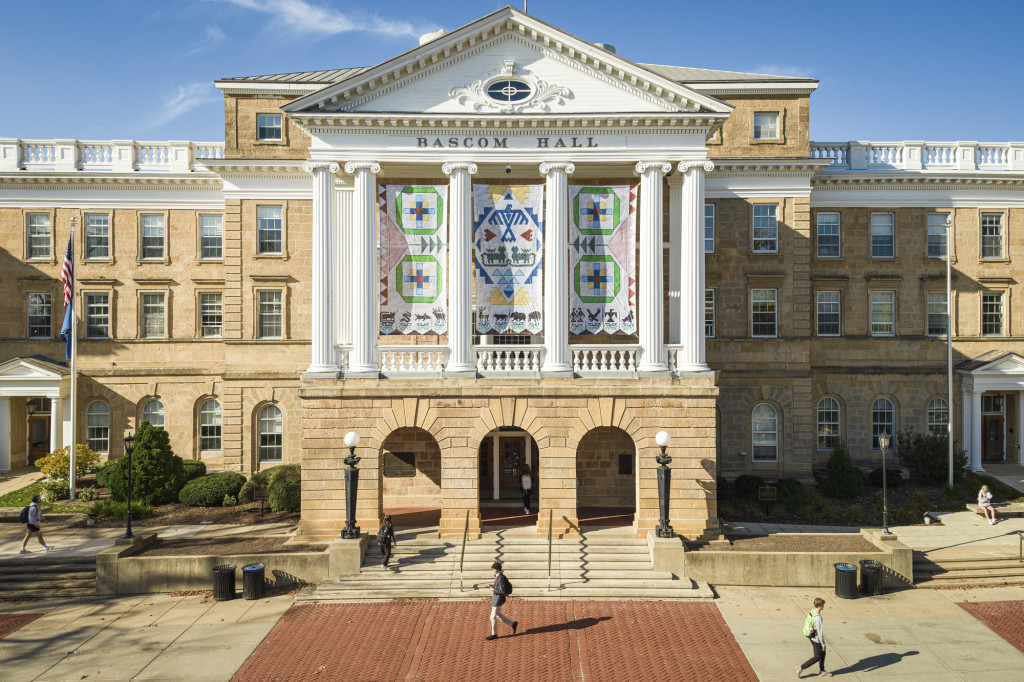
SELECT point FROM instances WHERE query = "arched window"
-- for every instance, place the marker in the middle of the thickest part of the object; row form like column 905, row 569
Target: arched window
column 938, row 416
column 828, row 423
column 209, row 426
column 764, row 423
column 883, row 420
column 270, row 430
column 153, row 412
column 97, row 426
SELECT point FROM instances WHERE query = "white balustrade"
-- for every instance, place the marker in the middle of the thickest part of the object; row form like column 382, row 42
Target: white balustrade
column 407, row 359
column 839, row 152
column 885, row 154
column 343, row 353
column 116, row 156
column 604, row 358
column 944, row 156
column 995, row 156
column 509, row 359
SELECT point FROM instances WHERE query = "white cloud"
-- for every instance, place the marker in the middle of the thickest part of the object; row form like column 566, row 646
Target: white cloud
column 302, row 18
column 214, row 37
column 785, row 70
column 188, row 98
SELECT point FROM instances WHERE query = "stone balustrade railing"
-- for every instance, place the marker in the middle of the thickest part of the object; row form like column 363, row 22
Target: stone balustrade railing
column 412, row 359
column 604, row 358
column 111, row 156
column 509, row 359
column 921, row 156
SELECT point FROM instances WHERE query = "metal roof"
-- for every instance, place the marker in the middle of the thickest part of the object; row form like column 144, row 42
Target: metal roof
column 325, row 77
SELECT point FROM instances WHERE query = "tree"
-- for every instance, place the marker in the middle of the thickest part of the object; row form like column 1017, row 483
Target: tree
column 842, row 479
column 57, row 464
column 158, row 474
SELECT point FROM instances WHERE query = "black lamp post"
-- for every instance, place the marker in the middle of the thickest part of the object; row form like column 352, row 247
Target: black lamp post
column 129, row 446
column 883, row 443
column 351, row 530
column 664, row 485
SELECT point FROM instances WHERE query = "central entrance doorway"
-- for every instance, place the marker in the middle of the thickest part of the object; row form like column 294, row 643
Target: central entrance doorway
column 505, row 453
column 993, row 425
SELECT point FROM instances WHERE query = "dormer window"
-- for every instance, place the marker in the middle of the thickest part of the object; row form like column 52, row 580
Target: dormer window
column 509, row 90
column 269, row 127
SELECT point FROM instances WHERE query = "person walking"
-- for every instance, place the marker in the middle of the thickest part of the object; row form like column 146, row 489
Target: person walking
column 501, row 589
column 985, row 504
column 814, row 631
column 386, row 538
column 35, row 520
column 526, row 487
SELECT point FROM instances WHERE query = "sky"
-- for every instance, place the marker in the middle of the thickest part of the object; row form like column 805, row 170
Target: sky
column 144, row 69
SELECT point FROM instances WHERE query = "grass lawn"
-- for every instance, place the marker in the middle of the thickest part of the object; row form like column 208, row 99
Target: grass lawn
column 23, row 497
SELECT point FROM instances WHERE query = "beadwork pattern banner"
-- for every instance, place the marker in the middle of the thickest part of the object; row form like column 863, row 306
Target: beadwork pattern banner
column 413, row 259
column 508, row 234
column 602, row 259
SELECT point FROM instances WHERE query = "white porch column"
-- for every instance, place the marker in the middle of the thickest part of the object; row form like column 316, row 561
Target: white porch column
column 341, row 240
column 363, row 360
column 324, row 363
column 5, row 435
column 55, row 424
column 691, row 271
column 976, row 434
column 1020, row 429
column 556, row 268
column 461, row 359
column 652, row 351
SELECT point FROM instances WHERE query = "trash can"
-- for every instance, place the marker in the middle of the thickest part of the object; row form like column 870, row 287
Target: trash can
column 870, row 577
column 224, row 582
column 252, row 581
column 846, row 581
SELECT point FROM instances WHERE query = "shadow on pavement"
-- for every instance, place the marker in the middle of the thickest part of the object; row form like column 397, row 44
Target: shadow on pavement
column 874, row 662
column 577, row 624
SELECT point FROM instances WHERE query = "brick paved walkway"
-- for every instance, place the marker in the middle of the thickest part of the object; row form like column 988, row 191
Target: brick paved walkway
column 1005, row 618
column 12, row 622
column 596, row 641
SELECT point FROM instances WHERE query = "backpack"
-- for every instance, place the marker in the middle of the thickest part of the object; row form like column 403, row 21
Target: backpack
column 23, row 518
column 383, row 534
column 506, row 586
column 809, row 629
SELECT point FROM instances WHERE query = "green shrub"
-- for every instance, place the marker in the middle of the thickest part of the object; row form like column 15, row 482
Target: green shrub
column 855, row 513
column 103, row 473
column 87, row 494
column 58, row 463
column 193, row 468
column 842, row 479
column 230, row 501
column 927, row 456
column 908, row 513
column 725, row 490
column 259, row 478
column 895, row 478
column 285, row 489
column 952, row 492
column 746, row 486
column 210, row 490
column 56, row 489
column 827, row 510
column 793, row 493
column 157, row 473
column 108, row 508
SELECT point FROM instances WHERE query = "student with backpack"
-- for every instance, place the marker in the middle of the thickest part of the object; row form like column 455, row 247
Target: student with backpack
column 32, row 517
column 501, row 588
column 385, row 538
column 814, row 632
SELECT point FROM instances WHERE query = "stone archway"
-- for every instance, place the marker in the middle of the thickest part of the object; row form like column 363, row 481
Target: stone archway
column 606, row 481
column 503, row 454
column 410, row 478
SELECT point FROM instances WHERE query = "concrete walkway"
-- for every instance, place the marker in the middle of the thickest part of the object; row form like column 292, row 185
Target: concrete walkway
column 16, row 479
column 1008, row 473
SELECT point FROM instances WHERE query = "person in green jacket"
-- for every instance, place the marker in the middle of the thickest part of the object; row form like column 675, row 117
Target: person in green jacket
column 814, row 631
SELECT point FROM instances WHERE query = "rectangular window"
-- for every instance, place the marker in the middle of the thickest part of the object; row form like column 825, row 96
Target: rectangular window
column 271, row 315
column 210, row 315
column 828, row 313
column 39, row 309
column 152, row 236
column 938, row 320
column 766, row 125
column 709, row 313
column 992, row 313
column 709, row 228
column 991, row 235
column 97, row 316
column 763, row 312
column 97, row 236
column 828, row 235
column 268, row 229
column 937, row 234
column 211, row 237
column 883, row 313
column 268, row 127
column 37, row 243
column 766, row 228
column 154, row 316
column 883, row 238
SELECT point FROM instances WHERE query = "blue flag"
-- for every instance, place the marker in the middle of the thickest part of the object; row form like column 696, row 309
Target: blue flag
column 65, row 330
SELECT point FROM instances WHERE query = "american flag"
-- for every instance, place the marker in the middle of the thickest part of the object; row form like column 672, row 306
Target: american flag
column 67, row 273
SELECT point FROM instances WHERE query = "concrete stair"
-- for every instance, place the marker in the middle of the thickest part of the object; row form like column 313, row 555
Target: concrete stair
column 931, row 573
column 47, row 577
column 605, row 564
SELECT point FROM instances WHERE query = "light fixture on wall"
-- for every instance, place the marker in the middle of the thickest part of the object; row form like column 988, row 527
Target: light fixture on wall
column 508, row 167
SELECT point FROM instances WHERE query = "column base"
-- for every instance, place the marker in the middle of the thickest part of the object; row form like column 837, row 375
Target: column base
column 321, row 372
column 692, row 368
column 464, row 369
column 362, row 372
column 556, row 369
column 660, row 369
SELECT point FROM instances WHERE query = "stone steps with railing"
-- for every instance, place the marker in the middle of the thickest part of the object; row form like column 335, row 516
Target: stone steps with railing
column 47, row 577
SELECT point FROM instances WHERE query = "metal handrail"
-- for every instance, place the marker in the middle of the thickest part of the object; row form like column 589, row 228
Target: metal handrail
column 551, row 513
column 1020, row 537
column 462, row 557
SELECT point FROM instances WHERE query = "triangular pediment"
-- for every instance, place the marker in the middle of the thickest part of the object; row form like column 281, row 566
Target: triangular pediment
column 508, row 63
column 20, row 369
column 1008, row 364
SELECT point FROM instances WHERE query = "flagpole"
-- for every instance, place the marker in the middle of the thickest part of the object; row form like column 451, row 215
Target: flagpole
column 74, row 370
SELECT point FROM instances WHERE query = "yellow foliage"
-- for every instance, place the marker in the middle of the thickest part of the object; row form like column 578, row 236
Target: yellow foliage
column 58, row 462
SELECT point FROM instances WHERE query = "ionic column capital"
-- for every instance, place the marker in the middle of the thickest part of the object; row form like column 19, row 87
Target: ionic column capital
column 644, row 166
column 329, row 166
column 707, row 165
column 451, row 167
column 353, row 166
column 547, row 167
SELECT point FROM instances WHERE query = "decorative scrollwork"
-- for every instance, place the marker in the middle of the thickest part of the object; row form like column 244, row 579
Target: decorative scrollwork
column 707, row 164
column 448, row 168
column 542, row 97
column 353, row 166
column 329, row 166
column 547, row 167
column 643, row 166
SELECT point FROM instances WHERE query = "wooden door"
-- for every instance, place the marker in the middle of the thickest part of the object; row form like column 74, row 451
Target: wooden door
column 511, row 457
column 992, row 434
column 38, row 437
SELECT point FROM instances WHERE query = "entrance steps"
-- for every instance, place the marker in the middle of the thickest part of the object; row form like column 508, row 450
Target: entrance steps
column 47, row 577
column 607, row 563
column 962, row 572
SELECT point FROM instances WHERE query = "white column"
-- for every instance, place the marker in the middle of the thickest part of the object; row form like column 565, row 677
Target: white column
column 1020, row 428
column 323, row 363
column 363, row 360
column 976, row 434
column 55, row 424
column 461, row 360
column 965, row 424
column 556, row 268
column 5, row 435
column 652, row 351
column 675, row 221
column 341, row 236
column 691, row 283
